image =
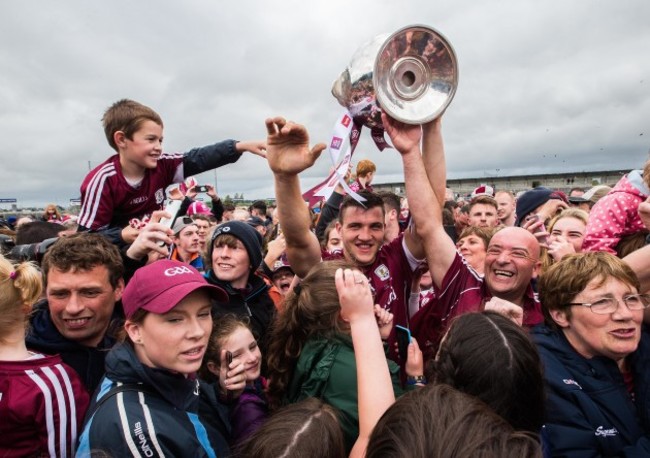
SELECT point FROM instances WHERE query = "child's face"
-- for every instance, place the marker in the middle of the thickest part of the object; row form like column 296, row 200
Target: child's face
column 145, row 148
column 244, row 349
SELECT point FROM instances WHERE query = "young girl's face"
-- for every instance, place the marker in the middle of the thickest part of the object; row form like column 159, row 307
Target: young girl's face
column 243, row 347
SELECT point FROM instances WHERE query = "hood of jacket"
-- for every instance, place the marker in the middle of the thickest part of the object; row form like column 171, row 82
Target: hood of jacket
column 632, row 183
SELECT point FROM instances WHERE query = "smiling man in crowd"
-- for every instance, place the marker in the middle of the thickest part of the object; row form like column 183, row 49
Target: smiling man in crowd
column 83, row 280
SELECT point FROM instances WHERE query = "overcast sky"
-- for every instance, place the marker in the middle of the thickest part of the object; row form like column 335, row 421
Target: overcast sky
column 558, row 85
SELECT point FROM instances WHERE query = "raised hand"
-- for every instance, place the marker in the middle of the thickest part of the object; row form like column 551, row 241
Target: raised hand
column 354, row 295
column 288, row 151
column 559, row 247
column 232, row 377
column 384, row 321
column 256, row 147
column 148, row 238
column 405, row 137
column 507, row 309
column 414, row 361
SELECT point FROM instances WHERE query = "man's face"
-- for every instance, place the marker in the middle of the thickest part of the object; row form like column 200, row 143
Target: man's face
column 483, row 215
column 506, row 205
column 202, row 228
column 511, row 262
column 81, row 303
column 362, row 232
column 187, row 240
column 144, row 149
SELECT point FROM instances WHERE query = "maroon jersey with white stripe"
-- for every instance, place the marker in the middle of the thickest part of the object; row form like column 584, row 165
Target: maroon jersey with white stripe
column 390, row 277
column 108, row 200
column 42, row 407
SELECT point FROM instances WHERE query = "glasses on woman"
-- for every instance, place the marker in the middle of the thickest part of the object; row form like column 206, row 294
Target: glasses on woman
column 608, row 305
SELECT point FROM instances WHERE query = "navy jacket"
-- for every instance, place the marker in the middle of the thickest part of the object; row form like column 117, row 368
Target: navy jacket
column 161, row 420
column 589, row 410
column 45, row 338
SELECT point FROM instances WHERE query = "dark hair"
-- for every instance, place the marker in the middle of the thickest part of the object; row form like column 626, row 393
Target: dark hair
column 127, row 116
column 439, row 422
column 222, row 327
column 84, row 251
column 309, row 428
column 630, row 243
column 258, row 205
column 489, row 356
column 37, row 231
column 565, row 279
column 447, row 217
column 450, row 205
column 310, row 311
column 373, row 200
column 391, row 200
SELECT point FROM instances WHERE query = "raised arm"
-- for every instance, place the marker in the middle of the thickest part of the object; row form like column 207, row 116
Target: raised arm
column 288, row 154
column 425, row 204
column 374, row 385
column 406, row 140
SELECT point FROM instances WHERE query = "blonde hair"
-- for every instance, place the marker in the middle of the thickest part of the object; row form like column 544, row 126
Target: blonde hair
column 21, row 286
column 576, row 213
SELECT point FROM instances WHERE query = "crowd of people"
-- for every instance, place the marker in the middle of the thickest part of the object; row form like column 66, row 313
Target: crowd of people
column 428, row 325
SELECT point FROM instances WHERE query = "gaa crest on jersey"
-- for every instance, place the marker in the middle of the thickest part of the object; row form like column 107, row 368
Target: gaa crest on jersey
column 382, row 272
column 160, row 196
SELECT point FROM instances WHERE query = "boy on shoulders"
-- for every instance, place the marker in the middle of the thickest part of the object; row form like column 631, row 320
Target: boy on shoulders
column 131, row 184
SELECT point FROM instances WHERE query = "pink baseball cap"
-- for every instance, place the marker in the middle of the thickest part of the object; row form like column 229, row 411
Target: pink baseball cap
column 198, row 207
column 160, row 286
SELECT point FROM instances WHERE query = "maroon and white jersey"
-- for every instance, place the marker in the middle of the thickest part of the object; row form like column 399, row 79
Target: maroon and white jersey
column 108, row 200
column 390, row 277
column 42, row 407
column 463, row 290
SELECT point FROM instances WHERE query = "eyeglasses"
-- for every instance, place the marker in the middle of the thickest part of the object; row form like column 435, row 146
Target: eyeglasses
column 608, row 305
column 519, row 254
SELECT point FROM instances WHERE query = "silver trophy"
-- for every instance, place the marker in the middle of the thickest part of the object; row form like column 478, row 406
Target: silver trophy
column 412, row 75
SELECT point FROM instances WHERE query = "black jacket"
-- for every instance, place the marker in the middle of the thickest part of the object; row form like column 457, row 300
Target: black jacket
column 254, row 303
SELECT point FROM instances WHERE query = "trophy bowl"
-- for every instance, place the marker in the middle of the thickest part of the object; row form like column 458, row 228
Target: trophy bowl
column 411, row 74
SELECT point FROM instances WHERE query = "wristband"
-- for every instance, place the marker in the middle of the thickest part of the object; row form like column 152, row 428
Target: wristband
column 416, row 380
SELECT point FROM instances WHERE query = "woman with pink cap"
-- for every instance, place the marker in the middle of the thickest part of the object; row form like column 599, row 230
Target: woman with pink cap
column 148, row 401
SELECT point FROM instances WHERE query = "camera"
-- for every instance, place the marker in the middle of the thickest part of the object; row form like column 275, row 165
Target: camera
column 31, row 251
column 201, row 188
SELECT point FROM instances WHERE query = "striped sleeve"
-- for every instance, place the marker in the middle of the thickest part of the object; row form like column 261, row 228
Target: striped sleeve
column 96, row 202
column 61, row 404
column 123, row 426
